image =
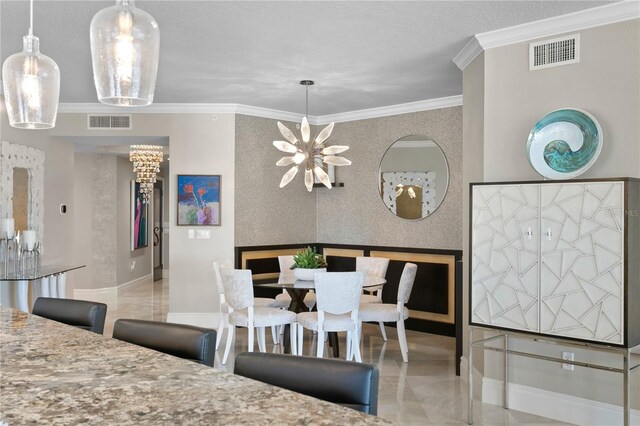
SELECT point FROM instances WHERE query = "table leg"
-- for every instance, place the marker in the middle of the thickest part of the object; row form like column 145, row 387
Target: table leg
column 333, row 342
column 297, row 305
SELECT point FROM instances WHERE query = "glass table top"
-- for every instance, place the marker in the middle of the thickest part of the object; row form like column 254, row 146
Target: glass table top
column 288, row 280
column 36, row 274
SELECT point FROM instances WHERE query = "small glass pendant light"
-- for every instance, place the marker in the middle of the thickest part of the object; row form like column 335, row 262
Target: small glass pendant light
column 125, row 44
column 31, row 83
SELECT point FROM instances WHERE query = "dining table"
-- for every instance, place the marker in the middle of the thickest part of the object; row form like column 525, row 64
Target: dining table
column 298, row 289
column 52, row 373
column 45, row 281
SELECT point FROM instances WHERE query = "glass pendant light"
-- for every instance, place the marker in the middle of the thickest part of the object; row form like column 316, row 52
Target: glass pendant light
column 31, row 83
column 125, row 43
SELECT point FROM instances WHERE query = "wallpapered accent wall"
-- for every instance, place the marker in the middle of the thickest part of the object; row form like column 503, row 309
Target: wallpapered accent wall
column 32, row 159
column 264, row 213
column 355, row 214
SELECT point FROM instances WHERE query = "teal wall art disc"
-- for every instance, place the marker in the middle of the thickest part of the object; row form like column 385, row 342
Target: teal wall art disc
column 564, row 143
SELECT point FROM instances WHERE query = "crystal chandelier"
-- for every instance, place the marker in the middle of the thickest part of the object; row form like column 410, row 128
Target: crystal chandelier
column 146, row 161
column 31, row 83
column 311, row 153
column 125, row 44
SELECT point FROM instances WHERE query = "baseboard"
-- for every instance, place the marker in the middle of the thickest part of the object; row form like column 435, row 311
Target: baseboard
column 108, row 295
column 142, row 279
column 199, row 319
column 557, row 406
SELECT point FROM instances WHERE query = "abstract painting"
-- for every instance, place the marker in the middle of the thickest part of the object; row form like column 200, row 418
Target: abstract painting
column 139, row 218
column 199, row 200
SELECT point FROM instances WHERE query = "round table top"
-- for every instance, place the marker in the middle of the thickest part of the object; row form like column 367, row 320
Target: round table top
column 288, row 280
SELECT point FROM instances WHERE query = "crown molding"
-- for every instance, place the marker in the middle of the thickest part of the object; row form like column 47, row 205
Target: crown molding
column 468, row 53
column 176, row 108
column 575, row 21
column 385, row 111
column 159, row 108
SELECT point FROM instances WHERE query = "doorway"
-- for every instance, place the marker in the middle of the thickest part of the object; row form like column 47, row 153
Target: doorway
column 157, row 230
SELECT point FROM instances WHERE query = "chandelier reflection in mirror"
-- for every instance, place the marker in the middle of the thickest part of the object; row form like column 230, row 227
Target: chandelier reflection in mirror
column 308, row 153
column 146, row 161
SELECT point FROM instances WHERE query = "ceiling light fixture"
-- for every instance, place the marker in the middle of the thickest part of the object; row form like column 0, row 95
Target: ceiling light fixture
column 125, row 45
column 310, row 152
column 31, row 83
column 146, row 161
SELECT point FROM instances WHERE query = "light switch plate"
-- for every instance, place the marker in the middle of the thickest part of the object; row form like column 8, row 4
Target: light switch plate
column 203, row 234
column 191, row 234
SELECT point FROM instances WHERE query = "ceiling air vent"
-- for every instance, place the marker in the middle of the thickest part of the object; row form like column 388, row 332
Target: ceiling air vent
column 98, row 122
column 554, row 52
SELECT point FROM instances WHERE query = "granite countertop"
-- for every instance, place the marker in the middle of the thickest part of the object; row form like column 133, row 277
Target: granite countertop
column 51, row 373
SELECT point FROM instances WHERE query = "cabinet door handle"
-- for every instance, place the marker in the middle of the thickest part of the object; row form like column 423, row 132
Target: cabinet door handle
column 549, row 234
column 529, row 233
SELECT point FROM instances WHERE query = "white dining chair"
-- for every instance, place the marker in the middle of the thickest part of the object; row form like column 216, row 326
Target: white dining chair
column 224, row 306
column 238, row 289
column 377, row 267
column 287, row 275
column 337, row 301
column 388, row 312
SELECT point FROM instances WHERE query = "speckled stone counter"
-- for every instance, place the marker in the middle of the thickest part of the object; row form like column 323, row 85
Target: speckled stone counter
column 51, row 373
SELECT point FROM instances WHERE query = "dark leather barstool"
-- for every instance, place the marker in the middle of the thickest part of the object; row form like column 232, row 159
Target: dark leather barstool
column 184, row 341
column 350, row 384
column 78, row 313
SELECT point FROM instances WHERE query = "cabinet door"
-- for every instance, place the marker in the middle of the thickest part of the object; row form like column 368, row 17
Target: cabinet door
column 505, row 255
column 582, row 257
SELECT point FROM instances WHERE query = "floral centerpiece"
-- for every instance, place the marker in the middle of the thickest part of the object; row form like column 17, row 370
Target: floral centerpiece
column 307, row 262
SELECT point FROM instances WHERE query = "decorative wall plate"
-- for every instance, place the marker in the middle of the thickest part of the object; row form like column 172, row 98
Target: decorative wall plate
column 564, row 143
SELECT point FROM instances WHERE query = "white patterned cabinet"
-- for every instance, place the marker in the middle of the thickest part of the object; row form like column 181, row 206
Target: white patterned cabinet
column 557, row 258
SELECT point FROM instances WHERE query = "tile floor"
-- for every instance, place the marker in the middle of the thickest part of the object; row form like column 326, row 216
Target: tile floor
column 424, row 391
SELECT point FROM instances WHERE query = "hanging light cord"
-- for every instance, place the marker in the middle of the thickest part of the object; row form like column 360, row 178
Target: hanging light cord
column 31, row 18
column 306, row 113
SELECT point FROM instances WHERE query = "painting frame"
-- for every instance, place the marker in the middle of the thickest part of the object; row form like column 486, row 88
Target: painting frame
column 139, row 224
column 198, row 200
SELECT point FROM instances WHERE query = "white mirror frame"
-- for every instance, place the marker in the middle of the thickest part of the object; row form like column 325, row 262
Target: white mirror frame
column 20, row 156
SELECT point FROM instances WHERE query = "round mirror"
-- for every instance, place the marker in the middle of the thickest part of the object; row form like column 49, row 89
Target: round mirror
column 413, row 177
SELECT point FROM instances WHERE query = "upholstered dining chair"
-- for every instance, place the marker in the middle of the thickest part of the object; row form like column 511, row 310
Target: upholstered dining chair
column 387, row 312
column 224, row 306
column 78, row 313
column 238, row 290
column 377, row 267
column 350, row 384
column 286, row 273
column 184, row 341
column 337, row 301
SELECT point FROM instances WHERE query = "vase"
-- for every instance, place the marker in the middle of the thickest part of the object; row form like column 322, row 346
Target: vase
column 304, row 274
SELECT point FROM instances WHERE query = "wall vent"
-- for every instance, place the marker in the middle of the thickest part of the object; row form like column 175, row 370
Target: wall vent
column 554, row 52
column 118, row 122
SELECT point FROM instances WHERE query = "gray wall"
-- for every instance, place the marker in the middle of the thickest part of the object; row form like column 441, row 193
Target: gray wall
column 58, row 187
column 604, row 83
column 355, row 214
column 264, row 213
column 102, row 223
column 199, row 144
column 504, row 100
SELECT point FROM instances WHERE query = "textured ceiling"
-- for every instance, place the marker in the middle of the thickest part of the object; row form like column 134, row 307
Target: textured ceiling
column 361, row 54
